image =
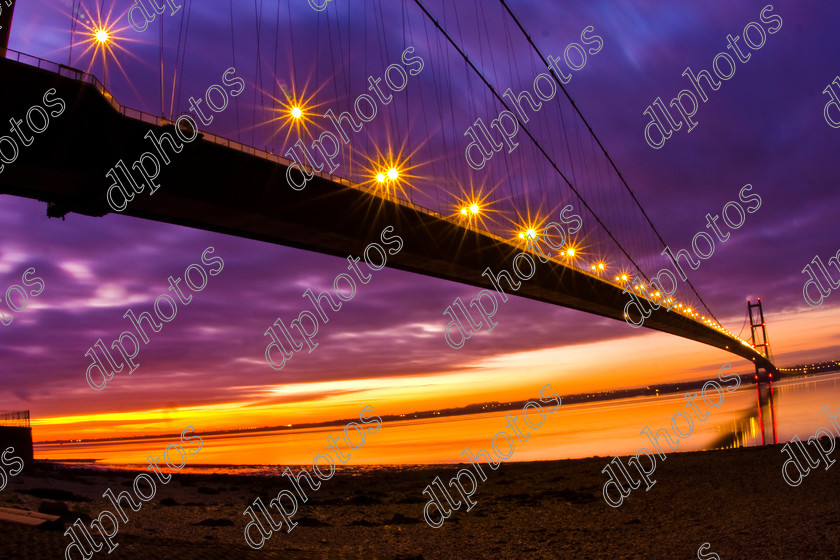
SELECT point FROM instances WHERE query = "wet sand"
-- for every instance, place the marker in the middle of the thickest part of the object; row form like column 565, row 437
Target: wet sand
column 735, row 499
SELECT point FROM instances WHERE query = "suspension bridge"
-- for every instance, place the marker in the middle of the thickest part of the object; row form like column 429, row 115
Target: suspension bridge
column 226, row 186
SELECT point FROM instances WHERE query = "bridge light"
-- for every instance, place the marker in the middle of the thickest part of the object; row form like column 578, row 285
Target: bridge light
column 531, row 234
column 473, row 208
column 393, row 173
column 101, row 35
column 296, row 112
column 380, row 177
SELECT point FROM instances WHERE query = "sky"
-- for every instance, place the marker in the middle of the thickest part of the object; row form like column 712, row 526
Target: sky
column 763, row 127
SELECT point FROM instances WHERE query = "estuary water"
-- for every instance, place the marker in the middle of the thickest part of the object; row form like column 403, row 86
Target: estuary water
column 604, row 428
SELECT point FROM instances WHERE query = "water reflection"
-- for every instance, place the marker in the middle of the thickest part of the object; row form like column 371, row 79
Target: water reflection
column 757, row 426
column 783, row 409
column 764, row 393
column 755, row 414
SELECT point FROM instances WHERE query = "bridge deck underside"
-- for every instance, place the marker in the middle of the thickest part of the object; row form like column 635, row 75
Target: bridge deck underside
column 215, row 188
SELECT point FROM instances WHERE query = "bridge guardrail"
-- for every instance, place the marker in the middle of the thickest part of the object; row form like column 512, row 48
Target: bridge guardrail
column 136, row 114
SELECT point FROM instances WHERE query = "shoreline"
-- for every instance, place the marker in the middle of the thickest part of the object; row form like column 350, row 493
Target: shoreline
column 734, row 498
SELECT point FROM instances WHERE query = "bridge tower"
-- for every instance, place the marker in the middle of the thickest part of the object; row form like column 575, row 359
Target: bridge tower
column 758, row 333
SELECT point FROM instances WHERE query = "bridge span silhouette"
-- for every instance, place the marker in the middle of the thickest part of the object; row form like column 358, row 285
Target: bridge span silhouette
column 223, row 186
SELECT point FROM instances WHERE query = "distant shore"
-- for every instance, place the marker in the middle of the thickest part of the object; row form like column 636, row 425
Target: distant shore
column 733, row 499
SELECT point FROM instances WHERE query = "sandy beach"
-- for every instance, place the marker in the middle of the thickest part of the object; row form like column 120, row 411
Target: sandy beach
column 734, row 499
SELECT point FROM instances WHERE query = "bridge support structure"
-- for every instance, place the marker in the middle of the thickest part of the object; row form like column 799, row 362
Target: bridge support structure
column 758, row 334
column 758, row 337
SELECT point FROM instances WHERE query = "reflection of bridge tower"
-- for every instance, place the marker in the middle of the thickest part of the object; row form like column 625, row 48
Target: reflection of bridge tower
column 764, row 394
column 758, row 332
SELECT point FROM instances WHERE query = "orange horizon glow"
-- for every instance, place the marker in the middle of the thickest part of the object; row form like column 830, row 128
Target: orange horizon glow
column 635, row 360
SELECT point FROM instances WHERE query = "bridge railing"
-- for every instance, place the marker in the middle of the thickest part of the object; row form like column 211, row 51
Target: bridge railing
column 136, row 114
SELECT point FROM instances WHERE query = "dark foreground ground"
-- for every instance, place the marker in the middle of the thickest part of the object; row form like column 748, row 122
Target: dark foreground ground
column 735, row 500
